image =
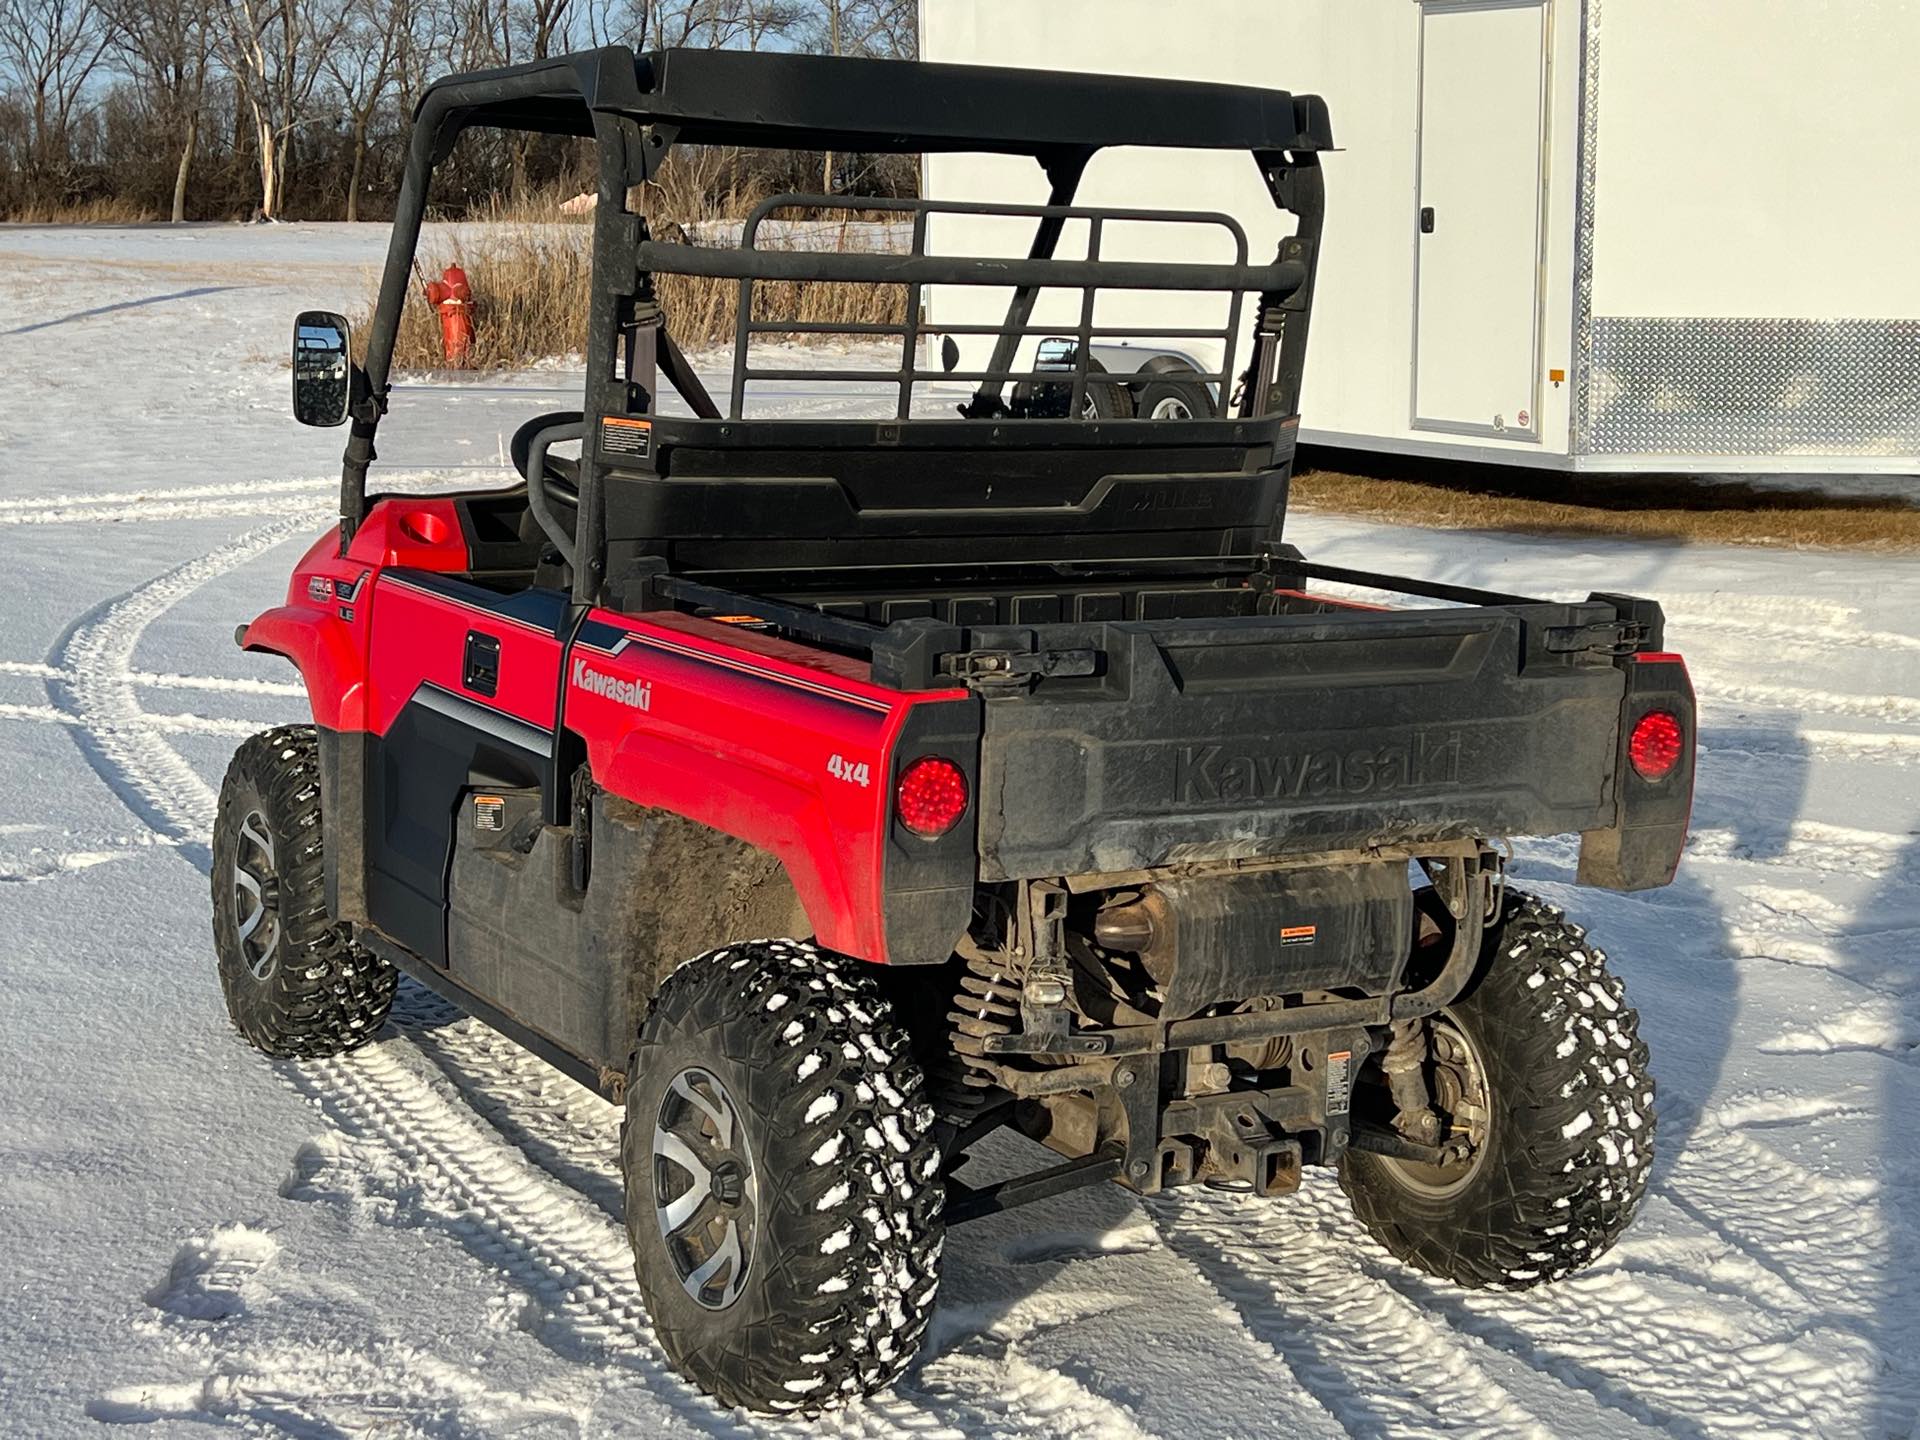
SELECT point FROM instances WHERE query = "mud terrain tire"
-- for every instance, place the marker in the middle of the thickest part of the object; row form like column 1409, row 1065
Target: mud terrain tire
column 1570, row 1125
column 782, row 1067
column 295, row 984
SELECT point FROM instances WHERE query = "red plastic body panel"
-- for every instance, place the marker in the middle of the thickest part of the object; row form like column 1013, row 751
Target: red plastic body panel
column 324, row 626
column 420, row 639
column 1333, row 600
column 784, row 747
column 419, row 534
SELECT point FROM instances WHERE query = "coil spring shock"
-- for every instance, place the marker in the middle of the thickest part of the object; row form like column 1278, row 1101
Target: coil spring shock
column 986, row 1004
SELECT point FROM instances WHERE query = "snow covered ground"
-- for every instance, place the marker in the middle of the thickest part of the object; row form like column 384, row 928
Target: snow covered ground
column 422, row 1239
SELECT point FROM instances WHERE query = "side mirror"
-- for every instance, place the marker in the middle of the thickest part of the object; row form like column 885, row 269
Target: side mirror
column 949, row 354
column 322, row 368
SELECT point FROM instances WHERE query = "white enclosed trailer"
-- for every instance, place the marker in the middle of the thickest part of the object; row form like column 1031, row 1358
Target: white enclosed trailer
column 1582, row 234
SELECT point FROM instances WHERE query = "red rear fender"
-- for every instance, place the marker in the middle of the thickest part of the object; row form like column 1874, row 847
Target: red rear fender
column 782, row 746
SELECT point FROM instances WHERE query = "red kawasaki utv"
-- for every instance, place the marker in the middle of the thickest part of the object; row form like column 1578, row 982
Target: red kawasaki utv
column 835, row 792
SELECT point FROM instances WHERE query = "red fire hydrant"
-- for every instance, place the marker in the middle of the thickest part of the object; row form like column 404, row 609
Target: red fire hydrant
column 452, row 296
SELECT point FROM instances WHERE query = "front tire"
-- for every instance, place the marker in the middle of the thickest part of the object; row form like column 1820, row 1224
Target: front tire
column 295, row 984
column 783, row 1188
column 1175, row 392
column 1543, row 1058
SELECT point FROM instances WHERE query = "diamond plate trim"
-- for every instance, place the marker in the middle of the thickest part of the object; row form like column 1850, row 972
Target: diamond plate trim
column 1583, row 225
column 1754, row 387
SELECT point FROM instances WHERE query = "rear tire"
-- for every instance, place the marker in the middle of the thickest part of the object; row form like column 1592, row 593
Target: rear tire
column 1103, row 401
column 783, row 1187
column 1568, row 1129
column 295, row 984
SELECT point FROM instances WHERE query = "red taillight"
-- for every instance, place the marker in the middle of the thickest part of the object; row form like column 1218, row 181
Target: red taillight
column 932, row 796
column 1655, row 745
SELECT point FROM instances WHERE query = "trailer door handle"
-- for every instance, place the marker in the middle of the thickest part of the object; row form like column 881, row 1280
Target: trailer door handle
column 1426, row 219
column 481, row 673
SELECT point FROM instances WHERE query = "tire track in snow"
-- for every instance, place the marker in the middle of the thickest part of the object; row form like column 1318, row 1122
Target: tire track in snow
column 1807, row 845
column 545, row 1237
column 1756, row 620
column 112, row 499
column 1371, row 1358
column 96, row 684
column 148, row 679
column 504, row 1203
column 1670, row 1351
column 1802, row 700
column 206, row 502
column 1801, row 845
column 165, row 723
column 1800, row 744
column 245, row 503
column 572, row 1136
column 437, row 1167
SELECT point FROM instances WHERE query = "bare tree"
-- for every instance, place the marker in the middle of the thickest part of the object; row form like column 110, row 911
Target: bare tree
column 765, row 21
column 544, row 22
column 276, row 50
column 888, row 28
column 48, row 50
column 363, row 64
column 163, row 45
column 237, row 95
column 541, row 23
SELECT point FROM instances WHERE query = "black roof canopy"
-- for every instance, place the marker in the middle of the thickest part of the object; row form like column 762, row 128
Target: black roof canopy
column 813, row 102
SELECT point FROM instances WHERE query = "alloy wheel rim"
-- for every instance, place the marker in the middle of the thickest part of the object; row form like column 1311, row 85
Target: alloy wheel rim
column 706, row 1191
column 1172, row 408
column 256, row 897
column 1462, row 1096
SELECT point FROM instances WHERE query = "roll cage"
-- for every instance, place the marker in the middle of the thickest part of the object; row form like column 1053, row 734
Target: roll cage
column 638, row 108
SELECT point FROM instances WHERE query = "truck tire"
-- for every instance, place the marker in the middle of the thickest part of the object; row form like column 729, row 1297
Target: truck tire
column 296, row 985
column 1105, row 402
column 1052, row 399
column 1566, row 1141
column 783, row 1186
column 1175, row 392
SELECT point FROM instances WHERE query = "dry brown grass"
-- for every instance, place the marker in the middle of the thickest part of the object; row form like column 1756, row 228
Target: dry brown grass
column 113, row 210
column 528, row 264
column 1451, row 496
column 530, row 301
column 529, row 298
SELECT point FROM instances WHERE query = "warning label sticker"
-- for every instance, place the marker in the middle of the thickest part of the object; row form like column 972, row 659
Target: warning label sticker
column 622, row 435
column 1298, row 934
column 1339, row 1082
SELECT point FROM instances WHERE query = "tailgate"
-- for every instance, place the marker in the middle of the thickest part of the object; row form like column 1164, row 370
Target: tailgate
column 1203, row 740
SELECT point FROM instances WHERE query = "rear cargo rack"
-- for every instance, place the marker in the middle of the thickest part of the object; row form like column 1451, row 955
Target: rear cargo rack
column 751, row 262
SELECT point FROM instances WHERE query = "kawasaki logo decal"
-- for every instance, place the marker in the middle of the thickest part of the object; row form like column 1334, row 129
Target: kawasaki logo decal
column 1203, row 773
column 635, row 693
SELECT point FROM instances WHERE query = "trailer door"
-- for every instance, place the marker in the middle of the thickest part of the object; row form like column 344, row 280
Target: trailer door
column 1477, row 220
